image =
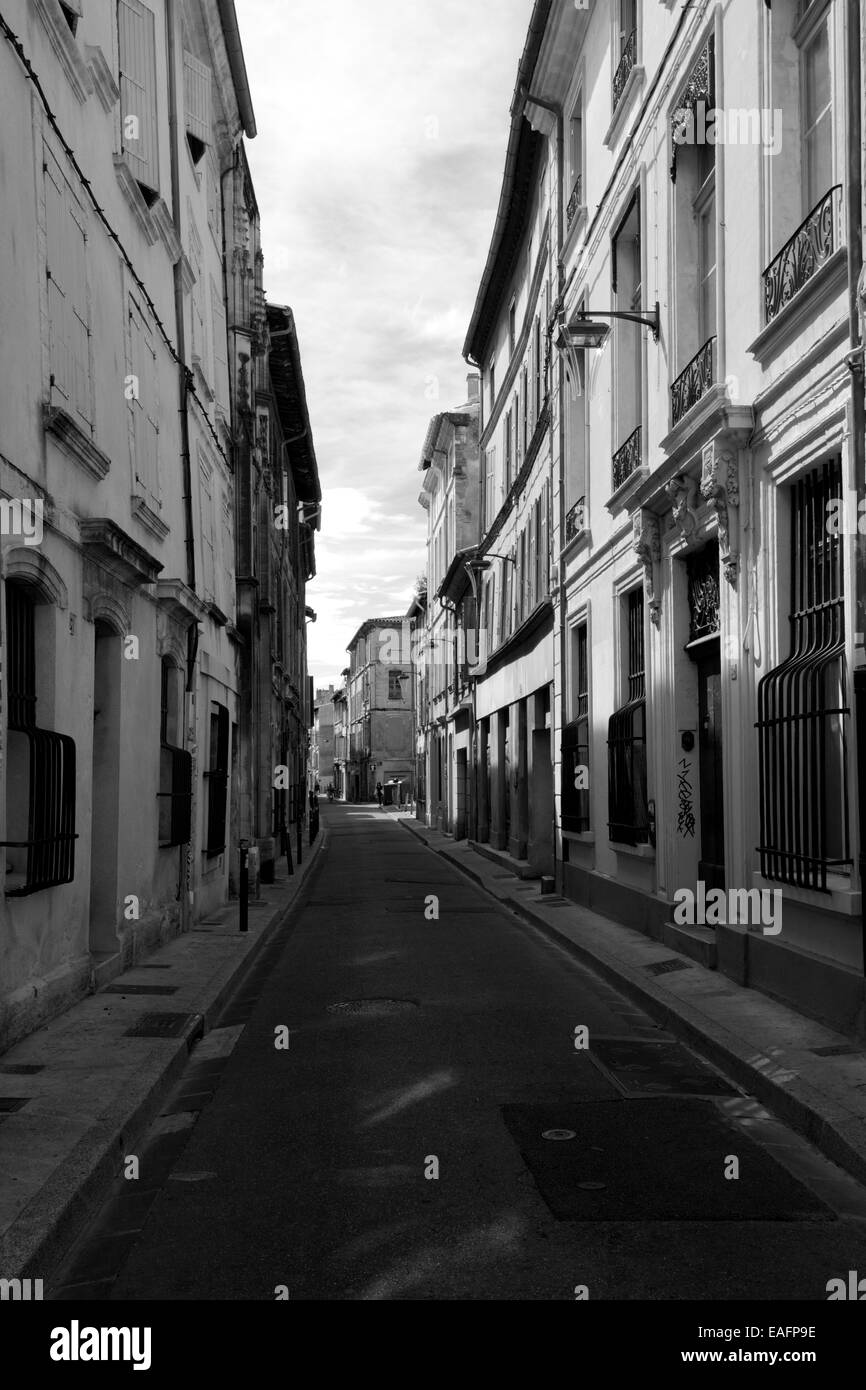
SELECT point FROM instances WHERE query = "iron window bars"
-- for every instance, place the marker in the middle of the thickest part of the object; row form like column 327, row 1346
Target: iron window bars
column 50, row 760
column 802, row 710
column 628, row 822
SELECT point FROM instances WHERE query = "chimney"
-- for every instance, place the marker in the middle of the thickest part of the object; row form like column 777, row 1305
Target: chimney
column 473, row 386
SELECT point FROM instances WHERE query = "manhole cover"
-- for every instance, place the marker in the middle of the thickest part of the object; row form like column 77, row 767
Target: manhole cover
column 161, row 1025
column 659, row 1162
column 372, row 1008
column 558, row 1134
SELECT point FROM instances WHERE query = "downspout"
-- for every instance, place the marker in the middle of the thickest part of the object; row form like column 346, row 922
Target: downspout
column 854, row 76
column 184, row 382
column 559, row 113
column 473, row 679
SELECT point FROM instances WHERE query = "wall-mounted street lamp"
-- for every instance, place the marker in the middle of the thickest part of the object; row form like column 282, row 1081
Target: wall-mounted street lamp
column 310, row 616
column 585, row 331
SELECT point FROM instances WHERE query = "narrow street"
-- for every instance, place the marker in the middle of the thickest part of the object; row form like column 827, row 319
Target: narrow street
column 307, row 1171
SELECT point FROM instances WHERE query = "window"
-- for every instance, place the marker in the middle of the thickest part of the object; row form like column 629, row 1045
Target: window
column 524, row 390
column 40, row 766
column 216, row 778
column 538, row 365
column 628, row 343
column 395, row 685
column 512, row 327
column 817, row 120
column 199, row 348
column 705, row 218
column 197, row 105
column 628, row 821
column 220, row 349
column 68, row 315
column 803, row 716
column 143, row 398
column 491, row 379
column 71, row 13
column 490, row 507
column 575, row 159
column 626, row 23
column 509, row 475
column 575, row 740
column 175, row 764
column 138, row 94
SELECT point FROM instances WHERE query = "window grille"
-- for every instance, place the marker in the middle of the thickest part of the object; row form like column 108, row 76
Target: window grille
column 802, row 707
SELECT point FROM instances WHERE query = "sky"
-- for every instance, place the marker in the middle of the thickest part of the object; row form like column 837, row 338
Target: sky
column 382, row 131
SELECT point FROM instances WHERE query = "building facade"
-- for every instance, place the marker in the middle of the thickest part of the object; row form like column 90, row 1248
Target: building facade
column 122, row 642
column 380, row 712
column 451, row 497
column 704, row 450
column 322, row 741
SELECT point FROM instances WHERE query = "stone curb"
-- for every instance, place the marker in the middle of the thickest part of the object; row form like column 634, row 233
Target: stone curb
column 42, row 1233
column 795, row 1101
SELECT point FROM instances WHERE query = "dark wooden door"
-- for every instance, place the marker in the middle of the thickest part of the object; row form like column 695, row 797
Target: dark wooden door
column 711, row 866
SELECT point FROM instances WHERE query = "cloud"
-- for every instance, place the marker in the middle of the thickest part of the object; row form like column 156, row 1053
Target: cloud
column 377, row 169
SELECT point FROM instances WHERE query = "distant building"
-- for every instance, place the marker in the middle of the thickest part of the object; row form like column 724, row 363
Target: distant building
column 450, row 496
column 381, row 718
column 322, row 739
column 341, row 740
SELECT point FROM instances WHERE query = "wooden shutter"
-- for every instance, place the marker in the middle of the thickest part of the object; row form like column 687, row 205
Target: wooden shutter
column 207, row 528
column 544, row 543
column 531, row 560
column 145, row 408
column 137, row 42
column 218, row 319
column 78, row 318
column 197, row 95
column 57, row 270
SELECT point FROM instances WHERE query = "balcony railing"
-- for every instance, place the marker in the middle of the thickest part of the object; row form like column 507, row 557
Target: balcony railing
column 626, row 459
column 812, row 244
column 693, row 381
column 626, row 63
column 575, row 520
column 574, row 201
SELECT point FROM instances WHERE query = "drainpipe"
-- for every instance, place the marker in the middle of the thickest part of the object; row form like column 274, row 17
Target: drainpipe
column 854, row 76
column 184, row 383
column 561, row 287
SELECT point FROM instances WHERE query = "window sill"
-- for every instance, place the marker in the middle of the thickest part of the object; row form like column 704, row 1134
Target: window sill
column 827, row 281
column 572, row 235
column 103, row 78
column 840, row 898
column 636, row 851
column 620, row 499
column 581, row 541
column 133, row 195
column 627, row 99
column 64, row 45
column 74, row 442
column 149, row 518
column 579, row 837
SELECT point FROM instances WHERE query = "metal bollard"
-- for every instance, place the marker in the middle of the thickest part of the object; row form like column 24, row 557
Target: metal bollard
column 244, row 886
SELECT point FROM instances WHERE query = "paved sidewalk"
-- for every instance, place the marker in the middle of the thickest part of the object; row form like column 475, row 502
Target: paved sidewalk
column 808, row 1075
column 91, row 1089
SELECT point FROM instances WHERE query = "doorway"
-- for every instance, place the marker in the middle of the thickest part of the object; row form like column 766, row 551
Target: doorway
column 105, row 784
column 711, row 865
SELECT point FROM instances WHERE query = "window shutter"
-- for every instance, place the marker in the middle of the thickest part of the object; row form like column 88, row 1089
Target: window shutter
column 197, row 94
column 136, row 37
column 58, row 283
column 218, row 318
column 544, row 543
column 79, row 335
column 145, row 409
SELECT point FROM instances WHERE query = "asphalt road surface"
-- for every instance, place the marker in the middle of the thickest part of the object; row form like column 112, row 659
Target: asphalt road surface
column 436, row 1129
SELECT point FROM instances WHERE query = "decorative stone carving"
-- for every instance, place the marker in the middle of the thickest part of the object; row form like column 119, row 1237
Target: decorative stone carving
column 720, row 486
column 682, row 491
column 646, row 543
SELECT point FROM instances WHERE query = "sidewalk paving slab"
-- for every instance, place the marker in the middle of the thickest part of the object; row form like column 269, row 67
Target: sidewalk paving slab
column 91, row 1089
column 810, row 1076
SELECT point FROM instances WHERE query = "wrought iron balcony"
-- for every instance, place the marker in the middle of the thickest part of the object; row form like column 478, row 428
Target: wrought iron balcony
column 574, row 201
column 575, row 520
column 812, row 244
column 626, row 63
column 693, row 381
column 627, row 459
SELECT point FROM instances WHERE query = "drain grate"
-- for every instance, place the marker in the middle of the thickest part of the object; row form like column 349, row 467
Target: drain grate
column 161, row 1025
column 836, row 1050
column 22, row 1068
column 9, row 1104
column 667, row 967
column 657, row 1066
column 372, row 1008
column 140, row 989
